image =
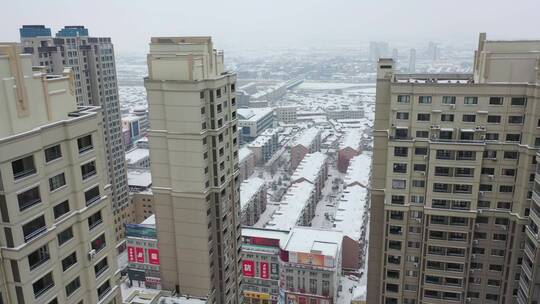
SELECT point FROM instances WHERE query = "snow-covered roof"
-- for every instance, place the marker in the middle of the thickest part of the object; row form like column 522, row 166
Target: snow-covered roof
column 265, row 233
column 253, row 114
column 307, row 137
column 312, row 240
column 260, row 141
column 350, row 212
column 309, row 167
column 248, row 188
column 243, row 153
column 151, row 220
column 135, row 155
column 359, row 169
column 291, row 206
column 139, row 178
column 351, row 139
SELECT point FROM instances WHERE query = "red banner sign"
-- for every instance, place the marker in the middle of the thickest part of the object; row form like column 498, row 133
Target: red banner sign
column 264, row 270
column 139, row 251
column 131, row 254
column 153, row 256
column 248, row 268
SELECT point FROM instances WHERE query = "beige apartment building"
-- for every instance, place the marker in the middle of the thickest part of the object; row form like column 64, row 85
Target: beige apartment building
column 57, row 240
column 194, row 163
column 453, row 172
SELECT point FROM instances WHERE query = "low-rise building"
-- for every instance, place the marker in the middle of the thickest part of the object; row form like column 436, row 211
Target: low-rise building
column 308, row 141
column 246, row 163
column 286, row 114
column 349, row 147
column 138, row 158
column 143, row 254
column 252, row 200
column 297, row 207
column 264, row 146
column 142, row 204
column 253, row 121
column 313, row 169
column 344, row 112
column 138, row 295
column 135, row 125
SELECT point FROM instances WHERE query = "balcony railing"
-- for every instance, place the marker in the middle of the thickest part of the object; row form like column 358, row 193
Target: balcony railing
column 35, row 233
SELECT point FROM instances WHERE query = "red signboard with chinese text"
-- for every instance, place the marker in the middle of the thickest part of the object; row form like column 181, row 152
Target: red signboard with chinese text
column 248, row 268
column 153, row 256
column 264, row 270
column 139, row 252
column 131, row 254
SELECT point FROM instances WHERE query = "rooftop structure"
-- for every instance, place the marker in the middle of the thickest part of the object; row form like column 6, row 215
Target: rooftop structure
column 248, row 188
column 292, row 207
column 310, row 167
column 307, row 137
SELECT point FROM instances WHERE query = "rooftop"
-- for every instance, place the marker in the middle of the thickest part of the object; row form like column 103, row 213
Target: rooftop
column 259, row 141
column 135, row 155
column 243, row 153
column 307, row 137
column 309, row 167
column 253, row 114
column 291, row 206
column 139, row 178
column 350, row 212
column 352, row 138
column 151, row 220
column 359, row 169
column 312, row 240
column 248, row 188
column 265, row 233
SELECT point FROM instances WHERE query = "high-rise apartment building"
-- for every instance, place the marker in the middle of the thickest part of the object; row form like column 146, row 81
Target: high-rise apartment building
column 412, row 61
column 57, row 241
column 453, row 173
column 93, row 64
column 194, row 162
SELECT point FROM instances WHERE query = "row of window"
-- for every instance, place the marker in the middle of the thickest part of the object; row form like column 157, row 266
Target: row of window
column 46, row 282
column 494, row 119
column 467, row 100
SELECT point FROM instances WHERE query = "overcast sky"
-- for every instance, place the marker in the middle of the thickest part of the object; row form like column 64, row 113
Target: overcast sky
column 255, row 24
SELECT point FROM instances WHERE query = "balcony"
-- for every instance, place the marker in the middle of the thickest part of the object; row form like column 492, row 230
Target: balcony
column 527, row 270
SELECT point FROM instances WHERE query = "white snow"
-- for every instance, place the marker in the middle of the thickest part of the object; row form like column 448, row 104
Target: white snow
column 249, row 188
column 350, row 214
column 253, row 114
column 291, row 206
column 359, row 169
column 351, row 139
column 308, row 240
column 310, row 167
column 307, row 137
column 243, row 153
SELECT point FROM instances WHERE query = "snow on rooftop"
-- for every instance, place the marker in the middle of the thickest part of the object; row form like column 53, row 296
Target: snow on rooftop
column 306, row 138
column 243, row 153
column 260, row 141
column 312, row 240
column 291, row 206
column 359, row 169
column 139, row 178
column 140, row 295
column 151, row 220
column 309, row 167
column 135, row 155
column 248, row 188
column 253, row 114
column 265, row 233
column 350, row 212
column 351, row 139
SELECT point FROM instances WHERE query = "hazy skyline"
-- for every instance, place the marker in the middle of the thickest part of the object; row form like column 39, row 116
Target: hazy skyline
column 279, row 23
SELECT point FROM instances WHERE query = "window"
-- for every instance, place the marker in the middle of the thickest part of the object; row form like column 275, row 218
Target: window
column 420, row 151
column 469, row 118
column 23, row 167
column 28, row 198
column 495, row 101
column 201, row 95
column 494, row 119
column 69, row 261
column 402, row 133
column 418, row 183
column 404, row 98
column 510, row 155
column 400, row 168
column 88, row 170
column 94, row 220
column 34, row 228
column 105, row 288
column 218, row 93
column 422, row 134
column 419, row 167
column 492, row 136
column 401, row 151
column 490, row 154
column 464, row 172
column 65, row 236
column 506, row 188
column 85, row 143
column 98, row 243
column 72, row 286
column 423, row 117
column 485, row 187
column 495, row 267
column 504, row 205
column 508, row 172
column 513, row 119
column 398, row 199
column 39, row 256
column 398, row 184
column 92, row 195
column 43, row 284
column 57, row 181
column 424, row 99
column 513, row 137
column 449, row 99
column 52, row 153
column 447, row 117
column 484, row 204
column 61, row 209
column 519, row 101
column 470, row 100
column 101, row 267
column 402, row 115
column 488, row 171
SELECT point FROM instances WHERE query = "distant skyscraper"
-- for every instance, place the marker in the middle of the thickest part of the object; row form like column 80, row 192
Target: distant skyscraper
column 412, row 61
column 194, row 161
column 93, row 65
column 432, row 51
column 455, row 205
column 395, row 54
column 377, row 49
column 57, row 241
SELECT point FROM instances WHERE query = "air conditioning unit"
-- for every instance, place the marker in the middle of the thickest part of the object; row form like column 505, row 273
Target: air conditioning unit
column 434, row 136
column 422, row 172
column 480, row 128
column 415, row 265
column 452, row 106
column 491, row 176
column 503, row 227
column 473, row 256
column 418, row 220
column 436, row 127
column 477, row 225
column 425, row 157
column 482, row 137
column 468, row 300
column 475, row 242
column 91, row 254
column 481, row 192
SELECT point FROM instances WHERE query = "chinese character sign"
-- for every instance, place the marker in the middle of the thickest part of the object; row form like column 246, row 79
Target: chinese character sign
column 264, row 270
column 153, row 256
column 131, row 254
column 139, row 252
column 248, row 268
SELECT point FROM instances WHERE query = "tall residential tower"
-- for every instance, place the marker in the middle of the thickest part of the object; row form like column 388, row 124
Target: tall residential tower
column 93, row 65
column 453, row 173
column 194, row 162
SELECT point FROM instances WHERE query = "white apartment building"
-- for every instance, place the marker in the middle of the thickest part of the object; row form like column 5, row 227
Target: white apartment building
column 286, row 114
column 57, row 241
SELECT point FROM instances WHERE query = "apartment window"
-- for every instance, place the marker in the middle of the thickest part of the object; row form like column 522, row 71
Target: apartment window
column 469, row 118
column 508, row 172
column 466, row 134
column 92, row 195
column 69, row 261
column 43, row 284
column 85, row 143
column 72, row 286
column 400, row 168
column 511, row 155
column 461, row 188
column 495, row 101
column 402, row 133
column 490, row 154
column 485, row 187
column 99, row 243
column 419, row 167
column 404, row 98
column 94, row 220
column 398, row 184
column 494, row 119
column 497, row 252
column 513, row 119
column 418, row 183
column 401, row 151
column 57, row 181
column 402, row 115
column 488, row 171
column 466, row 155
column 447, row 117
column 422, row 134
column 439, row 187
column 449, row 99
column 201, row 95
column 518, row 101
column 218, row 93
column 506, row 188
column 445, row 154
column 34, row 228
column 61, row 209
column 423, row 117
column 39, row 256
column 101, row 267
column 65, row 236
column 424, row 99
column 495, row 267
column 470, row 100
column 442, row 171
column 416, row 199
column 52, row 153
column 28, row 198
column 492, row 136
column 88, row 170
column 23, row 167
column 484, row 204
column 464, row 172
column 446, row 134
column 420, row 151
column 398, row 199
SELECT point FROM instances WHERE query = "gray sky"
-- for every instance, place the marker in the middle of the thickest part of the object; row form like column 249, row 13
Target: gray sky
column 255, row 24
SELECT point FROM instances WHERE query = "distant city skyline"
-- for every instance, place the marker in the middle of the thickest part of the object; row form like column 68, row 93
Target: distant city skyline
column 280, row 24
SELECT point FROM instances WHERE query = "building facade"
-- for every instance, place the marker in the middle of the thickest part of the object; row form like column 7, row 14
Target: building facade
column 309, row 141
column 194, row 162
column 286, row 114
column 253, row 122
column 57, row 242
column 453, row 171
column 94, row 74
column 252, row 200
column 143, row 254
